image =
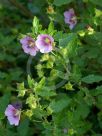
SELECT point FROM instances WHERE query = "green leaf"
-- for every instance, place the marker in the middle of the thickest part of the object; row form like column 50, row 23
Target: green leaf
column 59, row 105
column 97, row 91
column 51, row 30
column 35, row 22
column 61, row 2
column 99, row 101
column 46, row 92
column 97, row 2
column 43, row 90
column 4, row 102
column 67, row 39
column 61, row 74
column 95, row 38
column 31, row 101
column 58, row 35
column 83, row 113
column 69, row 44
column 40, row 84
column 21, row 89
column 93, row 53
column 91, row 79
column 23, row 128
column 30, row 82
column 76, row 74
column 36, row 25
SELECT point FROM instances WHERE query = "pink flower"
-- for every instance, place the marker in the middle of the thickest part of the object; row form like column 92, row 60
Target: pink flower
column 28, row 45
column 44, row 43
column 13, row 115
column 70, row 18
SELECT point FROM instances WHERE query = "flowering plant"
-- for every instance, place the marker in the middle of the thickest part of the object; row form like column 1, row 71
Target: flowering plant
column 61, row 95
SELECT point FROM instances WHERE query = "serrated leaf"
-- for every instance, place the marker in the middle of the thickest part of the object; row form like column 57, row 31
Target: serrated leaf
column 21, row 89
column 31, row 101
column 40, row 84
column 51, row 30
column 59, row 105
column 36, row 25
column 69, row 46
column 30, row 82
column 91, row 79
column 35, row 22
column 46, row 92
column 67, row 39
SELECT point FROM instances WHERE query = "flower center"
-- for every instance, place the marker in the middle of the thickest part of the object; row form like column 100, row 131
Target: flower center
column 31, row 43
column 47, row 40
column 73, row 19
column 16, row 113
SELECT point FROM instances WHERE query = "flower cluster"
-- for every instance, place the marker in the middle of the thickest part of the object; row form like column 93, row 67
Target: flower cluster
column 70, row 18
column 44, row 44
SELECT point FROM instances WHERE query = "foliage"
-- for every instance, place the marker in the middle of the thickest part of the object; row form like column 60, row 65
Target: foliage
column 61, row 91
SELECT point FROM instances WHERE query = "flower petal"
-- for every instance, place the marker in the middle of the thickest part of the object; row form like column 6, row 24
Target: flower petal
column 13, row 120
column 9, row 110
column 42, row 45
